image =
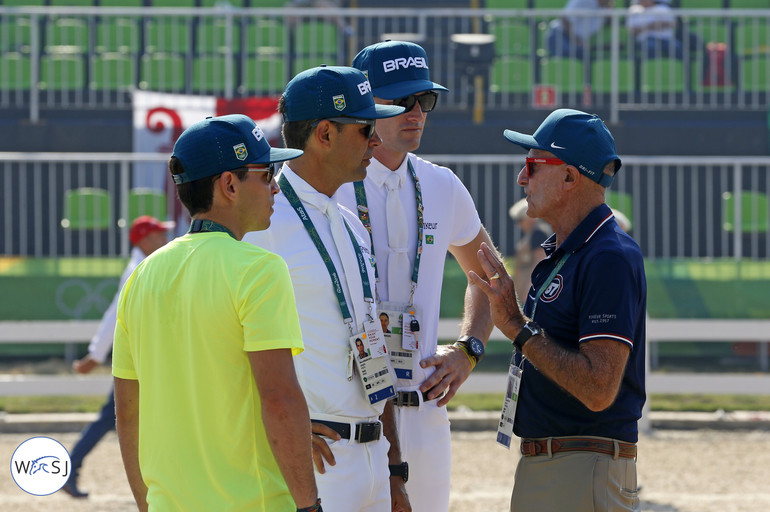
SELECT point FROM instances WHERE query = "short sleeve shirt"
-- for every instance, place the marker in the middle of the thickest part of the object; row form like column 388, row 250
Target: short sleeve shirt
column 600, row 293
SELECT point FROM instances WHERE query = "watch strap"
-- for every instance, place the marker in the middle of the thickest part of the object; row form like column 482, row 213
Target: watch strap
column 530, row 329
column 401, row 470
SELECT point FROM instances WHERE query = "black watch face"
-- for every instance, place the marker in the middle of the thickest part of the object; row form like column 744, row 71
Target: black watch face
column 476, row 347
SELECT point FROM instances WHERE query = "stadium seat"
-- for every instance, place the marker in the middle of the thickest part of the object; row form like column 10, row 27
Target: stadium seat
column 15, row 33
column 566, row 74
column 146, row 201
column 749, row 4
column 162, row 72
column 15, row 72
column 601, row 76
column 511, row 74
column 512, row 37
column 662, row 75
column 87, row 208
column 66, row 34
column 548, row 4
column 264, row 75
column 701, row 4
column 62, row 72
column 212, row 36
column 752, row 37
column 755, row 74
column 507, row 4
column 167, row 34
column 117, row 35
column 112, row 71
column 209, row 74
column 754, row 212
column 316, row 41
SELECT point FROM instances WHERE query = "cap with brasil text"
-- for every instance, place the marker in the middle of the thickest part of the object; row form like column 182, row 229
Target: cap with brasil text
column 144, row 225
column 579, row 139
column 224, row 143
column 332, row 91
column 396, row 69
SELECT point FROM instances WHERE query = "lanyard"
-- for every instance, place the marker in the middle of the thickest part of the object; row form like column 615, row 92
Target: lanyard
column 547, row 282
column 295, row 203
column 208, row 226
column 363, row 215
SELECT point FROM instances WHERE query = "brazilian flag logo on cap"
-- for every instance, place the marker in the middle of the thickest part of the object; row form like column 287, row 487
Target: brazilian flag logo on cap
column 240, row 151
column 339, row 102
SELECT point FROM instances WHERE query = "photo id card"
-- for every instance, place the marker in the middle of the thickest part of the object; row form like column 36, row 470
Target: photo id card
column 411, row 328
column 505, row 428
column 391, row 320
column 375, row 375
column 375, row 338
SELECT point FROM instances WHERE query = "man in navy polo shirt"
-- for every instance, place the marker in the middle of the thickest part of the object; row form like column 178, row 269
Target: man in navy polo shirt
column 580, row 339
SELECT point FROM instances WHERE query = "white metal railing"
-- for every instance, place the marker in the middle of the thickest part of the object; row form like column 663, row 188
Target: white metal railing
column 680, row 207
column 92, row 57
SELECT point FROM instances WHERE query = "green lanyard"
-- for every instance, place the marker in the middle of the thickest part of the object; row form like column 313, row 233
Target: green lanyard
column 363, row 215
column 548, row 281
column 295, row 202
column 208, row 226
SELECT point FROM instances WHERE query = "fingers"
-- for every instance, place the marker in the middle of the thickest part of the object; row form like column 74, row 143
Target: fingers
column 321, row 450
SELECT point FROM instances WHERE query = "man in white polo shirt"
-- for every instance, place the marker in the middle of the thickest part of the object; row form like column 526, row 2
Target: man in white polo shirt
column 417, row 211
column 330, row 113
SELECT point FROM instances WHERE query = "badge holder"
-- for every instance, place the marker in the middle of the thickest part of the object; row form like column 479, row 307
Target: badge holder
column 508, row 414
column 374, row 371
column 394, row 316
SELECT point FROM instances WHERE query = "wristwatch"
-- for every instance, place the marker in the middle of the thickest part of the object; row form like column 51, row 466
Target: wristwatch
column 473, row 347
column 401, row 470
column 530, row 329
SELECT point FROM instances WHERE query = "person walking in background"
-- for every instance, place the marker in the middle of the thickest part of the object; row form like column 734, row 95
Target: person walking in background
column 528, row 251
column 580, row 340
column 147, row 234
column 210, row 415
column 403, row 203
column 329, row 112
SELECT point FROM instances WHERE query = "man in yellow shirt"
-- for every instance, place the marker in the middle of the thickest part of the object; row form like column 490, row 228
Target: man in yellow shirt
column 210, row 415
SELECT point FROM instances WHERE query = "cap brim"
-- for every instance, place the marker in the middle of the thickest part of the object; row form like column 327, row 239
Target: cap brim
column 279, row 155
column 402, row 89
column 168, row 224
column 377, row 112
column 522, row 139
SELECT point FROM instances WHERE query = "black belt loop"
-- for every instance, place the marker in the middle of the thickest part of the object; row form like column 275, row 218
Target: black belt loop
column 365, row 432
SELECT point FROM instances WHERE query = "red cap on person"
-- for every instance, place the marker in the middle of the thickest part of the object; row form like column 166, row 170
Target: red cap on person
column 144, row 225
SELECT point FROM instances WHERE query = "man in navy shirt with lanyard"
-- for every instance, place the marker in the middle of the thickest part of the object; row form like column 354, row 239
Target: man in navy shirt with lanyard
column 578, row 369
column 416, row 212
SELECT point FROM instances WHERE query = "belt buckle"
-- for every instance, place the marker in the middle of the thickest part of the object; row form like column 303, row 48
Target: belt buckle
column 368, row 432
column 407, row 399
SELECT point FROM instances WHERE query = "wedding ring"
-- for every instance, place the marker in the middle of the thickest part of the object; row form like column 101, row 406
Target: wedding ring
column 495, row 276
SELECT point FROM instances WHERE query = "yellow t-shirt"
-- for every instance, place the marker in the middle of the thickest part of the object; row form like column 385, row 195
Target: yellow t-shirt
column 187, row 317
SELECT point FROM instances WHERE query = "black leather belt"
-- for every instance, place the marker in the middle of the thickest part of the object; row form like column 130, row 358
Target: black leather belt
column 365, row 432
column 412, row 399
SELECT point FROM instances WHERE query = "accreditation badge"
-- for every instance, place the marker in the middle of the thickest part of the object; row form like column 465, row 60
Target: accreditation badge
column 374, row 372
column 391, row 317
column 505, row 428
column 411, row 328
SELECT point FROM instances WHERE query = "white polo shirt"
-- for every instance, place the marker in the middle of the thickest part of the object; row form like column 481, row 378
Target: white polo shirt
column 322, row 367
column 449, row 218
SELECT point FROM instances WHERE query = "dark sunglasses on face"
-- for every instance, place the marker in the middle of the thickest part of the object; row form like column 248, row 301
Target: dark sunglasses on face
column 267, row 168
column 548, row 161
column 427, row 101
column 370, row 123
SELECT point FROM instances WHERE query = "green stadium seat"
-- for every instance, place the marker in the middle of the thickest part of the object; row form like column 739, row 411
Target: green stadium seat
column 264, row 75
column 620, row 201
column 121, row 3
column 15, row 34
column 146, row 201
column 300, row 64
column 162, row 72
column 117, row 35
column 548, row 4
column 601, row 76
column 566, row 74
column 15, row 71
column 749, row 4
column 264, row 33
column 755, row 74
column 752, row 37
column 754, row 212
column 662, row 75
column 23, row 3
column 168, row 34
column 314, row 38
column 212, row 34
column 234, row 3
column 711, row 30
column 507, row 4
column 87, row 208
column 511, row 74
column 512, row 37
column 172, row 3
column 112, row 71
column 62, row 72
column 210, row 73
column 66, row 35
column 72, row 3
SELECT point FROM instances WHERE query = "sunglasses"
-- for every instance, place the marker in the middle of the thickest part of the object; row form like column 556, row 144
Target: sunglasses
column 427, row 101
column 369, row 133
column 270, row 169
column 548, row 161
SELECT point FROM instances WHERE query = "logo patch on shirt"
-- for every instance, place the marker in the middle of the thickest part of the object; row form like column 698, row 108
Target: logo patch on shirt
column 429, row 239
column 554, row 289
column 339, row 102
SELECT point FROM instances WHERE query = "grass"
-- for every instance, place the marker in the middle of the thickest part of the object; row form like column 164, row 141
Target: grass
column 474, row 402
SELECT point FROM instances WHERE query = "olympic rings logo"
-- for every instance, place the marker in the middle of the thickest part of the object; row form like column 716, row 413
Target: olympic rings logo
column 75, row 297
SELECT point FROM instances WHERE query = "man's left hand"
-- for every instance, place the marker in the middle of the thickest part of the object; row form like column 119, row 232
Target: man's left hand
column 399, row 500
column 452, row 369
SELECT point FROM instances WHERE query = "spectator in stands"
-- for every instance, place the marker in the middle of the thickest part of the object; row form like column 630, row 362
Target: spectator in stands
column 147, row 234
column 653, row 24
column 528, row 250
column 570, row 35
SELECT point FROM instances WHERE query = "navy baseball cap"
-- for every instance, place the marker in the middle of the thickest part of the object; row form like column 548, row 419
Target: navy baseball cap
column 579, row 139
column 396, row 69
column 224, row 143
column 332, row 91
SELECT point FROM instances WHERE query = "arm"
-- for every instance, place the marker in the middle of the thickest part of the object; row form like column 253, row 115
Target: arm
column 592, row 374
column 127, row 424
column 452, row 365
column 398, row 499
column 286, row 420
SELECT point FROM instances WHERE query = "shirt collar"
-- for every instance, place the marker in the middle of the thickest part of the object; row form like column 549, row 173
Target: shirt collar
column 378, row 173
column 305, row 191
column 583, row 233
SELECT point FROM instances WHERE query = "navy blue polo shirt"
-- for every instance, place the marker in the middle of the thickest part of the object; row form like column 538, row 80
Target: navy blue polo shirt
column 599, row 293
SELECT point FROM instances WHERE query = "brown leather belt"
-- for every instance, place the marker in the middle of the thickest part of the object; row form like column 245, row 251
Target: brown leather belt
column 531, row 447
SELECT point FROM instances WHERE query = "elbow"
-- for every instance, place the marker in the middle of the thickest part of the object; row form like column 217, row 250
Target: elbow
column 599, row 400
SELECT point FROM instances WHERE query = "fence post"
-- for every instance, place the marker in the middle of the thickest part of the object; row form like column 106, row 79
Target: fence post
column 737, row 213
column 615, row 66
column 34, row 91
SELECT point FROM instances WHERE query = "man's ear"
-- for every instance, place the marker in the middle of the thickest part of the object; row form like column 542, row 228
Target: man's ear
column 227, row 184
column 322, row 132
column 571, row 175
